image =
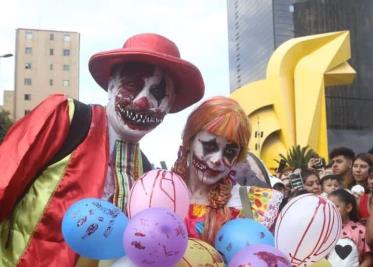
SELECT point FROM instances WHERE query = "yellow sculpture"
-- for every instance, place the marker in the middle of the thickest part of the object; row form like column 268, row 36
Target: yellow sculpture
column 288, row 107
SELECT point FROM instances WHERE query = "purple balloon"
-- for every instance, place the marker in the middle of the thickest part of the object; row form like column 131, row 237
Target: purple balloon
column 155, row 237
column 259, row 255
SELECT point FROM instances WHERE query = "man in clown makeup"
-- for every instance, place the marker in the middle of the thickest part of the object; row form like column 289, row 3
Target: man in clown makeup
column 65, row 150
column 214, row 140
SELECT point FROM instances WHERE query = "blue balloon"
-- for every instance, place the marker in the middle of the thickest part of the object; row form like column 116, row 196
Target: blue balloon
column 94, row 229
column 239, row 233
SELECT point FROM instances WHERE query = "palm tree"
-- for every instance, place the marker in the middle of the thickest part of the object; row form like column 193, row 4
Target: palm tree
column 297, row 156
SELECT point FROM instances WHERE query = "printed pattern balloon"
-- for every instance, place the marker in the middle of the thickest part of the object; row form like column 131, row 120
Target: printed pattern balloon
column 345, row 253
column 200, row 253
column 94, row 228
column 307, row 228
column 326, row 263
column 159, row 189
column 239, row 233
column 259, row 255
column 155, row 237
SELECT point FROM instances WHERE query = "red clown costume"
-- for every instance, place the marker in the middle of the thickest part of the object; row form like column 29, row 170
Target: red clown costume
column 64, row 150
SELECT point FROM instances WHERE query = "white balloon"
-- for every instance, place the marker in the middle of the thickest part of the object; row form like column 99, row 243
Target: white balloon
column 123, row 262
column 307, row 228
column 344, row 254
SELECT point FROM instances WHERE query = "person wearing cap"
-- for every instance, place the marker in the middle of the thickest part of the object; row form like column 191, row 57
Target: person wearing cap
column 65, row 150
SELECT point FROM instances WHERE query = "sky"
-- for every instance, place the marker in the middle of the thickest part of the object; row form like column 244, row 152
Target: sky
column 198, row 27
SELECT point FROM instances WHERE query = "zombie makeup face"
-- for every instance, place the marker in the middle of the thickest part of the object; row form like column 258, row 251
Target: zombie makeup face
column 140, row 95
column 212, row 157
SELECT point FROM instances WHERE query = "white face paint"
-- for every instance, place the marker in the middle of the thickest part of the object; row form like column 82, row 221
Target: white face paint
column 140, row 95
column 212, row 157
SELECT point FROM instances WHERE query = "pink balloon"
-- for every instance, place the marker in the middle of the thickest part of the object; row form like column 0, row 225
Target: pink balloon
column 159, row 189
column 307, row 228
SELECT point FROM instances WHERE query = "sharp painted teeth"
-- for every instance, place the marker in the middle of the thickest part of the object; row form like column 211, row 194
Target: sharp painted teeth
column 199, row 165
column 138, row 117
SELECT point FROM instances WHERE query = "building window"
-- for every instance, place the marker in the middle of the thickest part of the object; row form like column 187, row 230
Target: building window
column 51, row 36
column 51, row 82
column 27, row 81
column 51, row 52
column 28, row 35
column 28, row 66
column 66, row 67
column 66, row 38
column 27, row 111
column 28, row 50
column 66, row 52
column 50, row 66
column 291, row 8
column 27, row 96
column 66, row 83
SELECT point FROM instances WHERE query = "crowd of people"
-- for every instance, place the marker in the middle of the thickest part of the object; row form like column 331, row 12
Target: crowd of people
column 146, row 79
column 346, row 180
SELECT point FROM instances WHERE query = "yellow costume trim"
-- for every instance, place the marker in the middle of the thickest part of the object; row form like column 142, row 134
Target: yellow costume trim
column 30, row 209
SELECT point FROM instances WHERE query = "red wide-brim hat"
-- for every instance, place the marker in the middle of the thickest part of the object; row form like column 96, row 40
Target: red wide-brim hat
column 157, row 50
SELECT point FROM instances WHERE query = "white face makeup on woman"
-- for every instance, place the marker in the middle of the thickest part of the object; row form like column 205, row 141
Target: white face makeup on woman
column 140, row 95
column 212, row 157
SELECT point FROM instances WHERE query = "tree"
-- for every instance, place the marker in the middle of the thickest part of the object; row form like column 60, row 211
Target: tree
column 5, row 123
column 297, row 156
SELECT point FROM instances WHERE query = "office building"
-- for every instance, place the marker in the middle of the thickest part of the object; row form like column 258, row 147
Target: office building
column 46, row 62
column 257, row 27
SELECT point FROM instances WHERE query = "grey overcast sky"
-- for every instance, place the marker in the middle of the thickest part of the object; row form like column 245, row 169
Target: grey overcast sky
column 198, row 27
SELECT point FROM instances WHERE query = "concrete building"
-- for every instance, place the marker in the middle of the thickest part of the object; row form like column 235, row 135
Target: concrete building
column 8, row 105
column 46, row 62
column 257, row 27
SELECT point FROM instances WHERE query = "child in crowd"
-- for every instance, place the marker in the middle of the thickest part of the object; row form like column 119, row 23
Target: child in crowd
column 330, row 183
column 351, row 229
column 284, row 176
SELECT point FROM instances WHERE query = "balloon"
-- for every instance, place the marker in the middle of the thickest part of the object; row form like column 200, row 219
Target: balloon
column 326, row 263
column 94, row 229
column 123, row 262
column 239, row 233
column 345, row 253
column 159, row 189
column 259, row 255
column 104, row 263
column 155, row 237
column 200, row 253
column 307, row 228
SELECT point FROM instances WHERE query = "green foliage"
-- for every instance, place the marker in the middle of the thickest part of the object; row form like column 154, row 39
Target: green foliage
column 297, row 156
column 5, row 123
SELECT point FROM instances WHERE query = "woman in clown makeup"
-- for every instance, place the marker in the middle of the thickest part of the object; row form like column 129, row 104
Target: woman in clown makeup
column 215, row 139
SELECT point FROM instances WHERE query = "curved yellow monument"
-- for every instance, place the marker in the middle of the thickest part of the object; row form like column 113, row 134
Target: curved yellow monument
column 288, row 107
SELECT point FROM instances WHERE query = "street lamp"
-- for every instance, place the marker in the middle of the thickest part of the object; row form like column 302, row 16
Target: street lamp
column 7, row 55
